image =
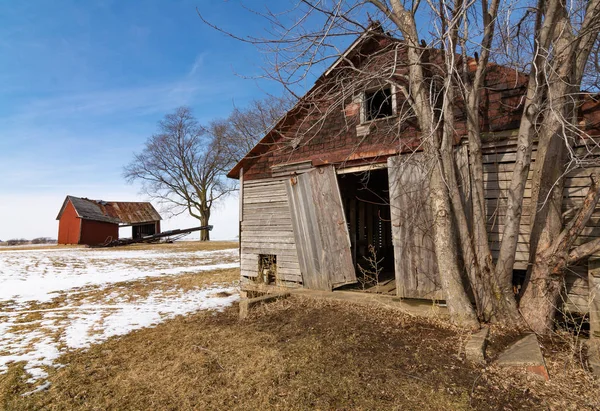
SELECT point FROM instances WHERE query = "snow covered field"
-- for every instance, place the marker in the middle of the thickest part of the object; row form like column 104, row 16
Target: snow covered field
column 53, row 300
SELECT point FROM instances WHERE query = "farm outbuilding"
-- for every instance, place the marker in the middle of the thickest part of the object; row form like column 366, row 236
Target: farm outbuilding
column 94, row 222
column 332, row 189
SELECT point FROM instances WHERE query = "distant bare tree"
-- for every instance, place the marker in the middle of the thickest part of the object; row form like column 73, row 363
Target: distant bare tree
column 243, row 128
column 182, row 167
column 43, row 240
column 17, row 241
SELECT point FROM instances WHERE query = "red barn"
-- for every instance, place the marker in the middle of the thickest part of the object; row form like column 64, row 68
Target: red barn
column 93, row 222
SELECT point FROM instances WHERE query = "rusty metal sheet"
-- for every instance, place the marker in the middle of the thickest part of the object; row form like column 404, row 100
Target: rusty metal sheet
column 116, row 212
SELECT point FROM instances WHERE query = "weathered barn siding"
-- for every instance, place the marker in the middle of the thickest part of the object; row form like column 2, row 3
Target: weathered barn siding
column 320, row 229
column 98, row 232
column 414, row 254
column 267, row 226
column 321, row 131
column 69, row 227
column 266, row 229
column 499, row 160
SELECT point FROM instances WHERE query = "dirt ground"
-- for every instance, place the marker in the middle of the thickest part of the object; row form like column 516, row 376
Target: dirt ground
column 300, row 354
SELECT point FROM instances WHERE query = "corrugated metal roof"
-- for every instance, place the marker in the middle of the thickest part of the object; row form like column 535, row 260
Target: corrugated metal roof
column 131, row 213
column 116, row 212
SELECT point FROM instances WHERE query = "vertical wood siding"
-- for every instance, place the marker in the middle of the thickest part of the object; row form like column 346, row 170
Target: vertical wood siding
column 69, row 226
column 320, row 229
column 412, row 228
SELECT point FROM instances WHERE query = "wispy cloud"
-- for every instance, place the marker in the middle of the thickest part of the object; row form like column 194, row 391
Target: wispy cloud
column 155, row 98
column 193, row 88
column 198, row 64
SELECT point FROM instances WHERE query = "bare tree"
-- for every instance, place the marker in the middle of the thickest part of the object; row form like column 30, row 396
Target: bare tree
column 182, row 167
column 566, row 33
column 244, row 127
column 431, row 66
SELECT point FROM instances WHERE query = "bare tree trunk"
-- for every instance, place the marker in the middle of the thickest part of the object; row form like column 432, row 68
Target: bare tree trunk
column 446, row 250
column 545, row 279
column 533, row 98
column 204, row 234
column 541, row 298
column 550, row 244
column 461, row 222
column 492, row 298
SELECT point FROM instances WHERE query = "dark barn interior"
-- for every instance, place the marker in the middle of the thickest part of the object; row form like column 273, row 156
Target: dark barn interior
column 365, row 197
column 142, row 230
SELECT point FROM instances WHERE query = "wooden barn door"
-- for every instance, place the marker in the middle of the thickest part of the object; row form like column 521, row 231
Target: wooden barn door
column 320, row 229
column 412, row 228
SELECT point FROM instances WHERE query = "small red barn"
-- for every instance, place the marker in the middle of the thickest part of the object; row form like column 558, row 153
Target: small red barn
column 93, row 222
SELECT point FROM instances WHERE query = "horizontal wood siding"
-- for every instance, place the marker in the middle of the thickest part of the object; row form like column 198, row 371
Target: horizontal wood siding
column 499, row 160
column 266, row 228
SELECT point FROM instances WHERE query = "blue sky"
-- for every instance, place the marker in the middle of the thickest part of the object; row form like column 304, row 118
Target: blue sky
column 83, row 84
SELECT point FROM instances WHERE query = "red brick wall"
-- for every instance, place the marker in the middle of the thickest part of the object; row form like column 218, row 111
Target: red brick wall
column 69, row 226
column 97, row 232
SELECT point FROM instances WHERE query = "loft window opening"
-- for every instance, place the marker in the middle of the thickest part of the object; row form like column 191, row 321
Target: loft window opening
column 378, row 104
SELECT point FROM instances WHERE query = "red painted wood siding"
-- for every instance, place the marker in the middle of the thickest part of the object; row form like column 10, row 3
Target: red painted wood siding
column 69, row 226
column 97, row 232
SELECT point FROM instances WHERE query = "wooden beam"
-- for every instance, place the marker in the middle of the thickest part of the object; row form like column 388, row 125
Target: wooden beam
column 361, row 169
column 594, row 297
column 247, row 303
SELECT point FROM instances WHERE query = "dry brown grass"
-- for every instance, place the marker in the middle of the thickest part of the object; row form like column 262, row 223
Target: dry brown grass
column 178, row 246
column 293, row 354
column 37, row 247
column 183, row 246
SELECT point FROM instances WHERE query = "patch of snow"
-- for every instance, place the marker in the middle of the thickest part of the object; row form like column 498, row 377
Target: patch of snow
column 39, row 275
column 92, row 323
column 42, row 387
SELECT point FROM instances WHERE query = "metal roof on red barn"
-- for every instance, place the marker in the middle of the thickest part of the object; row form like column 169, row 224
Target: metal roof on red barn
column 115, row 212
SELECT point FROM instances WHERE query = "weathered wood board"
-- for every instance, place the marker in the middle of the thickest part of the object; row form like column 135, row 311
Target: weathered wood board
column 320, row 229
column 594, row 296
column 499, row 160
column 266, row 229
column 412, row 229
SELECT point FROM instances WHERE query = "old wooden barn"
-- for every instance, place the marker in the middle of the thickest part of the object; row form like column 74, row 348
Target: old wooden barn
column 332, row 186
column 94, row 222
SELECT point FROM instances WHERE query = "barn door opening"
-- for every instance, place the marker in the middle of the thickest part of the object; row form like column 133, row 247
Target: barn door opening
column 139, row 231
column 320, row 231
column 366, row 200
column 412, row 228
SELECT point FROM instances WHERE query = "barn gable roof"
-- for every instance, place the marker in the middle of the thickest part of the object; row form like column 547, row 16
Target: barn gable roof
column 502, row 83
column 114, row 212
column 374, row 30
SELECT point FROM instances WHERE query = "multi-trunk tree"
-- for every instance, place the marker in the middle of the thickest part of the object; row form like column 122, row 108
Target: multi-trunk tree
column 440, row 68
column 182, row 167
